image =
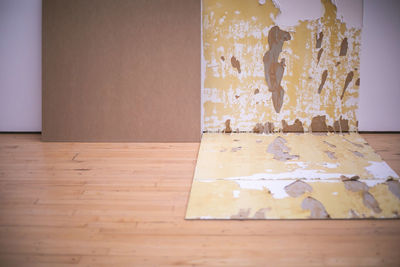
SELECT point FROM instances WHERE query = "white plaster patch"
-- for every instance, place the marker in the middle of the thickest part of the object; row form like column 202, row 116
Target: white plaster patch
column 206, row 217
column 236, row 193
column 301, row 164
column 380, row 170
column 334, row 193
column 296, row 174
column 292, row 12
column 330, row 165
column 372, row 182
column 350, row 12
column 275, row 187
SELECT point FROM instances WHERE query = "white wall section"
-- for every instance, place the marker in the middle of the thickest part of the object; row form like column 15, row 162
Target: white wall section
column 20, row 65
column 379, row 107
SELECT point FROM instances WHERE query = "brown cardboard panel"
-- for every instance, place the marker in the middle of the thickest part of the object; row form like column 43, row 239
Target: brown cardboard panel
column 121, row 70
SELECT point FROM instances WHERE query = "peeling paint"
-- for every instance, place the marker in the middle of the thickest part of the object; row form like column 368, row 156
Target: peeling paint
column 240, row 29
column 343, row 47
column 260, row 214
column 349, row 77
column 317, row 210
column 319, row 55
column 330, row 154
column 273, row 69
column 236, row 64
column 228, row 128
column 355, row 186
column 323, row 80
column 318, row 124
column 243, row 214
column 319, row 37
column 370, row 202
column 394, row 187
column 251, row 184
column 267, row 128
column 329, row 144
column 356, row 153
column 297, row 126
column 280, row 150
column 297, row 188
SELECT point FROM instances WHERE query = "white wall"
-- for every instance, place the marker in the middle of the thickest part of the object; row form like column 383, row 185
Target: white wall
column 20, row 65
column 379, row 105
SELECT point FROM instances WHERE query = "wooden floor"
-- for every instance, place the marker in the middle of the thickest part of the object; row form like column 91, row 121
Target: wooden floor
column 111, row 204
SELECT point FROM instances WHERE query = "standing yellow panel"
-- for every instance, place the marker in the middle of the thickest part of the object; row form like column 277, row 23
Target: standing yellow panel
column 298, row 78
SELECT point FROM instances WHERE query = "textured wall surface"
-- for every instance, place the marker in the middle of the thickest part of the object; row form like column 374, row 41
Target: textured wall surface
column 121, row 70
column 259, row 76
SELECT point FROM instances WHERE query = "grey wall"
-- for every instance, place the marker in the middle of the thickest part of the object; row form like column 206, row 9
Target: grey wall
column 20, row 65
column 379, row 106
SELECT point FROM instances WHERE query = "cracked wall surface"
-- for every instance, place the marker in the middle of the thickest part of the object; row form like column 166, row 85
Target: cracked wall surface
column 257, row 71
column 291, row 176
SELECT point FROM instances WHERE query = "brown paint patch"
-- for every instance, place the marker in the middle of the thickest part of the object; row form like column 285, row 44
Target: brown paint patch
column 256, row 91
column 319, row 38
column 235, row 63
column 353, row 214
column 280, row 150
column 337, row 64
column 297, row 126
column 237, row 96
column 354, row 144
column 329, row 144
column 394, row 187
column 228, row 128
column 330, row 154
column 318, row 124
column 319, row 55
column 259, row 128
column 341, row 125
column 343, row 47
column 356, row 153
column 297, row 188
column 222, row 58
column 355, row 186
column 242, row 214
column 358, row 82
column 323, row 80
column 273, row 69
column 260, row 214
column 353, row 178
column 267, row 128
column 349, row 77
column 370, row 202
column 315, row 207
column 352, row 184
column 234, row 149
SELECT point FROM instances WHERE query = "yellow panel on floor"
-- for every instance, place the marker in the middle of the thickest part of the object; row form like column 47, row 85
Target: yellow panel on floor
column 291, row 176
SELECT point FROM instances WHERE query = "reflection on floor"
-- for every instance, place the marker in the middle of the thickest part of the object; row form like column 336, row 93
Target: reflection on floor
column 291, row 176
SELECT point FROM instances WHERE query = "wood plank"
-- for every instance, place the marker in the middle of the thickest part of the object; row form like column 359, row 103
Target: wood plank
column 129, row 209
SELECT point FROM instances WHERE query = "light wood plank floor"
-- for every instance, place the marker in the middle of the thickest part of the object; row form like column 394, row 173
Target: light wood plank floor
column 111, row 204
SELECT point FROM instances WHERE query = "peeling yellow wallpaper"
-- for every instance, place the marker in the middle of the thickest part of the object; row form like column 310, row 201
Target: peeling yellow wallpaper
column 291, row 176
column 262, row 77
